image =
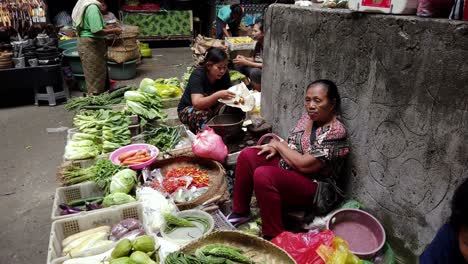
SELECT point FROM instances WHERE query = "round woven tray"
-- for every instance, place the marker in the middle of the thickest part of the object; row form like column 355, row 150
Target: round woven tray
column 215, row 171
column 259, row 250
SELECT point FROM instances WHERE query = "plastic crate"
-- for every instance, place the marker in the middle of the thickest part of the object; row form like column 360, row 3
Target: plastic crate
column 221, row 222
column 74, row 192
column 235, row 47
column 65, row 227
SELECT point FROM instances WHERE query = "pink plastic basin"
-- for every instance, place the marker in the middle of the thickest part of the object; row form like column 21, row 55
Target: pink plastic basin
column 363, row 232
column 114, row 156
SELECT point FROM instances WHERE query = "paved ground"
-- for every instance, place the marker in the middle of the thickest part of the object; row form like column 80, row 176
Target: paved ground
column 29, row 158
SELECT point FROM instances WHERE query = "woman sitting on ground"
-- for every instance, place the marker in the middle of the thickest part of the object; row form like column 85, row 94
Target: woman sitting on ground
column 451, row 242
column 206, row 85
column 252, row 66
column 288, row 174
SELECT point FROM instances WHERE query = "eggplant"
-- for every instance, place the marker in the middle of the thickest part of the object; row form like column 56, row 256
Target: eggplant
column 66, row 210
column 92, row 206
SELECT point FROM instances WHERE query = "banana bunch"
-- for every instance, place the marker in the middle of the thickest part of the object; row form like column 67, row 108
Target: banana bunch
column 241, row 40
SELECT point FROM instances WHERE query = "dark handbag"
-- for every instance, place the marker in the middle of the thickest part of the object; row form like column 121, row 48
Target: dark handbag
column 328, row 194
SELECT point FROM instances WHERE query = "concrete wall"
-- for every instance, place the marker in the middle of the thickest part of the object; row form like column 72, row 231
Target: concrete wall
column 404, row 86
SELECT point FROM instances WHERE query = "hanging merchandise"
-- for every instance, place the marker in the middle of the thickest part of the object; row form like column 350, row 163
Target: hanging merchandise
column 21, row 14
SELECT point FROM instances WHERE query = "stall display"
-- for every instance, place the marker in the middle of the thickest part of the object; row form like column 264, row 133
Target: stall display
column 22, row 14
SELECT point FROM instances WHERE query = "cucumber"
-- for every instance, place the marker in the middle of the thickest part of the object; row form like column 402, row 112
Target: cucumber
column 85, row 200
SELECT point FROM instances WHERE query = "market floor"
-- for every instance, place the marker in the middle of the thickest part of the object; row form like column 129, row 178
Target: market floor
column 29, row 159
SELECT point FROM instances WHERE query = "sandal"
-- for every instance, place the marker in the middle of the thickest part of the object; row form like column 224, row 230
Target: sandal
column 237, row 220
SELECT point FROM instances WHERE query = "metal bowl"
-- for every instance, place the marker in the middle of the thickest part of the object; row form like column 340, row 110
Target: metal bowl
column 227, row 126
column 363, row 232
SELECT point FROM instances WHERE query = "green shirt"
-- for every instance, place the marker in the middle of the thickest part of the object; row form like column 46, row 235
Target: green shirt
column 92, row 23
column 225, row 14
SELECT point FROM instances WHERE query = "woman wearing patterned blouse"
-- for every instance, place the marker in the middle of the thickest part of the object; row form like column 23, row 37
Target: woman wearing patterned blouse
column 298, row 173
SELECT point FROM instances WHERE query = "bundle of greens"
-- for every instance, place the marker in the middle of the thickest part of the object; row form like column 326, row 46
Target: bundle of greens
column 236, row 76
column 109, row 128
column 144, row 104
column 168, row 88
column 82, row 146
column 100, row 172
column 103, row 100
column 115, row 132
column 164, row 138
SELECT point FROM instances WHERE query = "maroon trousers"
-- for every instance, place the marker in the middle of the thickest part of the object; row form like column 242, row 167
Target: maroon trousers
column 275, row 189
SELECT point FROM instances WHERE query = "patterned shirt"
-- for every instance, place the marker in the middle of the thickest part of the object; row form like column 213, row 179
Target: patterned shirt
column 330, row 146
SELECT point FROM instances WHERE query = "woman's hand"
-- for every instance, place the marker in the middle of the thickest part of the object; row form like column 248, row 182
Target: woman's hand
column 266, row 150
column 240, row 61
column 117, row 30
column 225, row 95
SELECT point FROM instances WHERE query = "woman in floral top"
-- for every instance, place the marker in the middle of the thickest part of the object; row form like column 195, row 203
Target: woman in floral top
column 292, row 173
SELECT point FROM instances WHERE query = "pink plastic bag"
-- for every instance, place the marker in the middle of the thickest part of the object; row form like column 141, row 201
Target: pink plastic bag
column 208, row 144
column 303, row 246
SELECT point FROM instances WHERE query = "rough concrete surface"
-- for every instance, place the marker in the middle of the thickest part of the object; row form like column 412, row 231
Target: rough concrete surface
column 29, row 158
column 403, row 85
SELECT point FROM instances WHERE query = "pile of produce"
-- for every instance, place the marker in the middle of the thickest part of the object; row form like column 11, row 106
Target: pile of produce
column 100, row 172
column 82, row 146
column 104, row 100
column 101, row 131
column 126, row 229
column 164, row 138
column 183, row 177
column 115, row 132
column 241, row 40
column 80, row 205
column 165, row 88
column 214, row 253
column 120, row 185
column 99, row 244
column 88, row 243
column 235, row 76
column 173, row 222
column 141, row 251
column 144, row 104
column 134, row 157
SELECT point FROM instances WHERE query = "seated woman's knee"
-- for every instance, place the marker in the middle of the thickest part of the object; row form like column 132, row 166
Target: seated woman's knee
column 262, row 177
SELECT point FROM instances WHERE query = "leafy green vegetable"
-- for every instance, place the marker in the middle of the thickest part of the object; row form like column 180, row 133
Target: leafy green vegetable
column 104, row 169
column 104, row 99
column 146, row 82
column 164, row 138
column 123, row 181
column 117, row 199
column 235, row 75
column 145, row 105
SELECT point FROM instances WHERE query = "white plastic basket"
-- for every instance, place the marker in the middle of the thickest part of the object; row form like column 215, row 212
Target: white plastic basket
column 65, row 227
column 74, row 192
column 233, row 47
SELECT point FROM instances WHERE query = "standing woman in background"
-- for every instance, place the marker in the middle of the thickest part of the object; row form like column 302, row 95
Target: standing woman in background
column 228, row 16
column 88, row 20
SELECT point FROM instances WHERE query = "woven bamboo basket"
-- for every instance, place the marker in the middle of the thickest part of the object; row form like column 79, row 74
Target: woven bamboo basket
column 216, row 174
column 121, row 54
column 259, row 250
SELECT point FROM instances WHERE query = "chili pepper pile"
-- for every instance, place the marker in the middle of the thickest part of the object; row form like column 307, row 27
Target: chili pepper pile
column 174, row 179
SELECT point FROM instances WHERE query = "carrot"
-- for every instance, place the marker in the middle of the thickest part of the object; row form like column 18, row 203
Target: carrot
column 141, row 159
column 127, row 154
column 136, row 157
column 130, row 163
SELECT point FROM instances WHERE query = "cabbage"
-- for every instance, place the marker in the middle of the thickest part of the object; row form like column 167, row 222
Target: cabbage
column 123, row 181
column 117, row 199
column 150, row 89
column 140, row 110
column 146, row 82
column 135, row 96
